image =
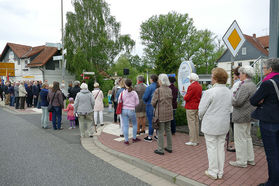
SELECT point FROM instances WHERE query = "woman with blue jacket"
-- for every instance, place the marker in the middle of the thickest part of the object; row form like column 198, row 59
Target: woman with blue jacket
column 44, row 105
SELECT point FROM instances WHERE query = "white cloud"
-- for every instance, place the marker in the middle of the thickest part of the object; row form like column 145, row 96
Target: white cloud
column 34, row 22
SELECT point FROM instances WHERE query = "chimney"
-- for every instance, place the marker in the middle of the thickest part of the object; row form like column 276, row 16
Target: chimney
column 254, row 35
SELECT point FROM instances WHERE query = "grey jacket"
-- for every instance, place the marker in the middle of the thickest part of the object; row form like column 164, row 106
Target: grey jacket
column 84, row 102
column 140, row 89
column 242, row 108
column 16, row 89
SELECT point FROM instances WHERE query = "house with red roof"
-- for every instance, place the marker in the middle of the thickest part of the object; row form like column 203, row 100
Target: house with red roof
column 254, row 48
column 35, row 63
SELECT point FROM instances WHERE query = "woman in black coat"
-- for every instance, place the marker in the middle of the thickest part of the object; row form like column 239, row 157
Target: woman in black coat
column 267, row 101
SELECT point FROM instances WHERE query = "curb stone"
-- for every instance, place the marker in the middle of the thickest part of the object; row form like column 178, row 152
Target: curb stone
column 166, row 174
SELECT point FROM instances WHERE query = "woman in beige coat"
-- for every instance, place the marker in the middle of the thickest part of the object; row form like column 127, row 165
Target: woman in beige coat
column 99, row 105
column 22, row 94
column 162, row 102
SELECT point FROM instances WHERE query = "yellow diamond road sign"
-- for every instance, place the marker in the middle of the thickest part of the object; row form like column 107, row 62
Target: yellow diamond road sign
column 234, row 38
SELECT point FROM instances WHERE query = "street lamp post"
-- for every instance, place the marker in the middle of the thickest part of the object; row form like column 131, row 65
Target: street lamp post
column 62, row 40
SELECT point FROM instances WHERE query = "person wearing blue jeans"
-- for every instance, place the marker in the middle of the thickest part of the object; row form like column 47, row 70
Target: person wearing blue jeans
column 55, row 99
column 266, row 99
column 126, row 115
column 147, row 97
column 57, row 112
column 130, row 100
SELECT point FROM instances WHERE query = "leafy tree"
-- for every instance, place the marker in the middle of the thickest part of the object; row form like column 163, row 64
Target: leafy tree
column 122, row 63
column 171, row 38
column 92, row 37
column 208, row 53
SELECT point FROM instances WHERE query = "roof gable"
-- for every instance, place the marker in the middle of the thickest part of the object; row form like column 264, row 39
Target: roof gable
column 45, row 55
column 257, row 44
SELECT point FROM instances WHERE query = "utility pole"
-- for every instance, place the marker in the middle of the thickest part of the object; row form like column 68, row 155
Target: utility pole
column 62, row 40
column 274, row 29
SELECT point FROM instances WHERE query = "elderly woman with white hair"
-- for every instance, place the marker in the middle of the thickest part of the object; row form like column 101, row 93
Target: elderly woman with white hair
column 99, row 105
column 162, row 103
column 241, row 116
column 83, row 106
column 192, row 98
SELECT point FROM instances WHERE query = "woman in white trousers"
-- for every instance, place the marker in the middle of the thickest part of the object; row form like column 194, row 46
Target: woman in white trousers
column 99, row 105
column 214, row 111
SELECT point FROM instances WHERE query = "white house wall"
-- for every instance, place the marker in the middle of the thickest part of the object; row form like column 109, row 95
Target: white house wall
column 227, row 66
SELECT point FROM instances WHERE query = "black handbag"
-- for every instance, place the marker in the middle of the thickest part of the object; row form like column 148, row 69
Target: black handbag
column 50, row 107
column 155, row 120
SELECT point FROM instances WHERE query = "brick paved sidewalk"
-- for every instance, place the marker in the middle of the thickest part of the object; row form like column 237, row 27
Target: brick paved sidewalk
column 191, row 162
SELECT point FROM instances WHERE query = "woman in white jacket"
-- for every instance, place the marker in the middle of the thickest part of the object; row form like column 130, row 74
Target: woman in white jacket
column 214, row 111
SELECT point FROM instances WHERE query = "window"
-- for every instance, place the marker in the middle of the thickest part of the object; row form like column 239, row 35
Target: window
column 18, row 62
column 251, row 63
column 26, row 63
column 240, row 64
column 244, row 51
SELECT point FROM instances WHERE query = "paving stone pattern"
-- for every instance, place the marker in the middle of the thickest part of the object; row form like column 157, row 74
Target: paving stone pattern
column 191, row 162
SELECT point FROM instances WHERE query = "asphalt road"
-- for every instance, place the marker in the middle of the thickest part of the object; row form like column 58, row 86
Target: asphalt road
column 31, row 156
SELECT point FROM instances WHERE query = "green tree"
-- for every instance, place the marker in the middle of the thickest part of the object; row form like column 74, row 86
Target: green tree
column 92, row 37
column 171, row 38
column 209, row 51
column 122, row 63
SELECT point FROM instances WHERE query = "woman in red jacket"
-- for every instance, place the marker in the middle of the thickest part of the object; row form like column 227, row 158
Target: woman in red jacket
column 192, row 98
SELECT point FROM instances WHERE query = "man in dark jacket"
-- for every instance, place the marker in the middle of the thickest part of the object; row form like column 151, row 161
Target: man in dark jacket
column 12, row 94
column 16, row 95
column 1, row 91
column 74, row 92
column 29, row 99
column 76, row 89
column 35, row 92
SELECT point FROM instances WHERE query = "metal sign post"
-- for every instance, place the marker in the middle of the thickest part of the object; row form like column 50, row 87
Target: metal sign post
column 234, row 40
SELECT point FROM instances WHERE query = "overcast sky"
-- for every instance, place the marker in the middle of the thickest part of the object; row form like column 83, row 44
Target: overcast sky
column 35, row 22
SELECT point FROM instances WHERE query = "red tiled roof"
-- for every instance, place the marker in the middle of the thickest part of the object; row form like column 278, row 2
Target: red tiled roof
column 33, row 51
column 45, row 55
column 19, row 50
column 257, row 43
column 264, row 40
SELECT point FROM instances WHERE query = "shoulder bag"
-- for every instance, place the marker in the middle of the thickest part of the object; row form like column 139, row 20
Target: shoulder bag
column 119, row 105
column 276, row 87
column 155, row 120
column 50, row 107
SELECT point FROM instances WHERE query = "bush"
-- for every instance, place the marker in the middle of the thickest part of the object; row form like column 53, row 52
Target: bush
column 180, row 115
column 105, row 101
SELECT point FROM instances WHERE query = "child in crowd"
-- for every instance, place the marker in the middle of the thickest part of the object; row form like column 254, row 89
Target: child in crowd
column 70, row 114
column 109, row 100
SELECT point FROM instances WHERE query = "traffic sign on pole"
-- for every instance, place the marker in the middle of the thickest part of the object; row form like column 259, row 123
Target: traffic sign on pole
column 234, row 38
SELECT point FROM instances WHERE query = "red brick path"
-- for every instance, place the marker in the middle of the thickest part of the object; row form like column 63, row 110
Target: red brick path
column 191, row 162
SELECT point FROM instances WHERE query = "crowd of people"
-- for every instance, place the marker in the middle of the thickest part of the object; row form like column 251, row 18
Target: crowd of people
column 222, row 111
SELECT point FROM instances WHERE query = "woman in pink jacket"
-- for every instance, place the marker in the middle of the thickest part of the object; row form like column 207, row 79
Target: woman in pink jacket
column 99, row 104
column 130, row 100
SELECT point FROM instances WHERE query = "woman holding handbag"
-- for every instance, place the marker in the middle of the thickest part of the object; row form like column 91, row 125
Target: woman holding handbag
column 162, row 102
column 99, row 105
column 130, row 100
column 55, row 98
